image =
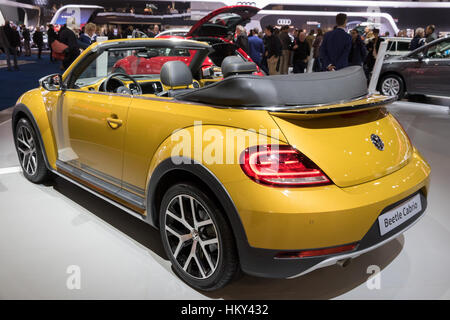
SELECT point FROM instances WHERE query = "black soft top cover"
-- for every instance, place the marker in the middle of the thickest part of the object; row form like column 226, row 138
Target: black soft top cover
column 283, row 90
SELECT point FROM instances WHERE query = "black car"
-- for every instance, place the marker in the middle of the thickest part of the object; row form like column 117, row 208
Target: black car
column 424, row 71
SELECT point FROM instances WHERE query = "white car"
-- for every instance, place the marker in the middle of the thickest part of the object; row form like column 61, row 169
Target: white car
column 397, row 46
column 174, row 32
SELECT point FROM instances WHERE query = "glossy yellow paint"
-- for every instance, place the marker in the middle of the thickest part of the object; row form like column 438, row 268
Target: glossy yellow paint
column 96, row 126
column 342, row 144
column 365, row 180
column 40, row 103
column 312, row 217
column 153, row 122
column 321, row 216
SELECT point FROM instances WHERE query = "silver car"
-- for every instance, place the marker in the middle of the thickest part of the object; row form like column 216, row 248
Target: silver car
column 424, row 71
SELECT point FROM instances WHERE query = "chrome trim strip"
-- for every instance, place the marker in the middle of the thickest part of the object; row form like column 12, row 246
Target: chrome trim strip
column 105, row 176
column 129, row 211
column 333, row 260
column 114, row 190
column 89, row 178
column 134, row 188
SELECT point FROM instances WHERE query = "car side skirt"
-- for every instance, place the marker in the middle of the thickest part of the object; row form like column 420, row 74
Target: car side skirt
column 98, row 194
column 100, row 186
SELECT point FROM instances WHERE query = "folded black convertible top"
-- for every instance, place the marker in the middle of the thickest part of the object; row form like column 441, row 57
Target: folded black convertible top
column 283, row 90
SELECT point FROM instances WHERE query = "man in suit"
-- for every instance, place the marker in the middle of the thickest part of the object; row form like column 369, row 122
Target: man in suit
column 256, row 47
column 336, row 46
column 7, row 42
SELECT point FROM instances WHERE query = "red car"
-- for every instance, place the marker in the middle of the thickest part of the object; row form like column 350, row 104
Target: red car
column 215, row 28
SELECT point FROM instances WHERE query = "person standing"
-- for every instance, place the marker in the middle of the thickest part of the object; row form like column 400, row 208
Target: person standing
column 286, row 45
column 89, row 36
column 358, row 52
column 372, row 48
column 129, row 32
column 68, row 37
column 154, row 32
column 272, row 50
column 52, row 36
column 317, row 66
column 241, row 38
column 336, row 46
column 417, row 41
column 301, row 50
column 429, row 34
column 6, row 38
column 38, row 39
column 256, row 47
column 26, row 40
column 310, row 38
column 113, row 33
column 15, row 42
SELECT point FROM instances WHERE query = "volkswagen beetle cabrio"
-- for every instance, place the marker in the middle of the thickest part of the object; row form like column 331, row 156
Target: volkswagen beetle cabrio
column 274, row 176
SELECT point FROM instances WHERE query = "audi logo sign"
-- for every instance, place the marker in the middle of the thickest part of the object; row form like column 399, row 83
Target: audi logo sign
column 284, row 22
column 245, row 3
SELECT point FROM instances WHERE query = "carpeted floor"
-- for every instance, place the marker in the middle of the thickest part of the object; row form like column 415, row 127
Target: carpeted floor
column 14, row 83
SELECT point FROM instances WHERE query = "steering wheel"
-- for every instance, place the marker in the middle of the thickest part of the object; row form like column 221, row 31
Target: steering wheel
column 137, row 90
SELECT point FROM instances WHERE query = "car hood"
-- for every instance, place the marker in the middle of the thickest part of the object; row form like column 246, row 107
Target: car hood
column 222, row 21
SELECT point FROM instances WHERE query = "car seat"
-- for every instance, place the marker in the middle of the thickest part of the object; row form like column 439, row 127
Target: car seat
column 177, row 76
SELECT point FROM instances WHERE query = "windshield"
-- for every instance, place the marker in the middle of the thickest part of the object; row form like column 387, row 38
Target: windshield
column 142, row 62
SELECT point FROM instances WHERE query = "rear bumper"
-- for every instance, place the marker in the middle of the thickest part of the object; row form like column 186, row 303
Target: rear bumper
column 262, row 262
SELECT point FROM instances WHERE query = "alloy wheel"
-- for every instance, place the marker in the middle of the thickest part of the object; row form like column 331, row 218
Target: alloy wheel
column 26, row 147
column 192, row 236
column 390, row 87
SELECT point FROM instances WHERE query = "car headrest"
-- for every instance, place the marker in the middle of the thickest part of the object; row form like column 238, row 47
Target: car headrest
column 233, row 65
column 176, row 74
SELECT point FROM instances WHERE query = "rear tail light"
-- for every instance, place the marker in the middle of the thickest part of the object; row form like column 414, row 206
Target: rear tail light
column 281, row 165
column 316, row 252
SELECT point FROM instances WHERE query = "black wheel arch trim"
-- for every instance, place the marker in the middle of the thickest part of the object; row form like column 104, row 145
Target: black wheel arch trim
column 215, row 186
column 21, row 108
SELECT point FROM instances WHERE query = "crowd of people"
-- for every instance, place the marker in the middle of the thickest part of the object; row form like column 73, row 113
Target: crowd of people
column 277, row 49
column 70, row 39
column 16, row 40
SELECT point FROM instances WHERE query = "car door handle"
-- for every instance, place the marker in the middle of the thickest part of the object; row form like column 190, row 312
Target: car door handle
column 114, row 122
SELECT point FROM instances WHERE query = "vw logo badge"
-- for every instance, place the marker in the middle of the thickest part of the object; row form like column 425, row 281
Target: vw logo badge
column 377, row 142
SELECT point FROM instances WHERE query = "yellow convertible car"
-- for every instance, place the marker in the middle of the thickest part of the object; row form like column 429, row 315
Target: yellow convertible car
column 272, row 175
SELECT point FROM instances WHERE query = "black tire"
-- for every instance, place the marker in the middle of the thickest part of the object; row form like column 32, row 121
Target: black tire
column 31, row 161
column 224, row 258
column 394, row 82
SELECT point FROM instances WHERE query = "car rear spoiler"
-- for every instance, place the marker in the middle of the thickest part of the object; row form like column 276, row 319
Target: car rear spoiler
column 371, row 101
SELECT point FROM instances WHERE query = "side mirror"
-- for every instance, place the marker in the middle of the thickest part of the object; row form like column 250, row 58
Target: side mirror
column 52, row 82
column 420, row 56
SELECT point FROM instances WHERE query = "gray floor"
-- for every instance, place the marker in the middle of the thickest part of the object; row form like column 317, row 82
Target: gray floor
column 45, row 229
